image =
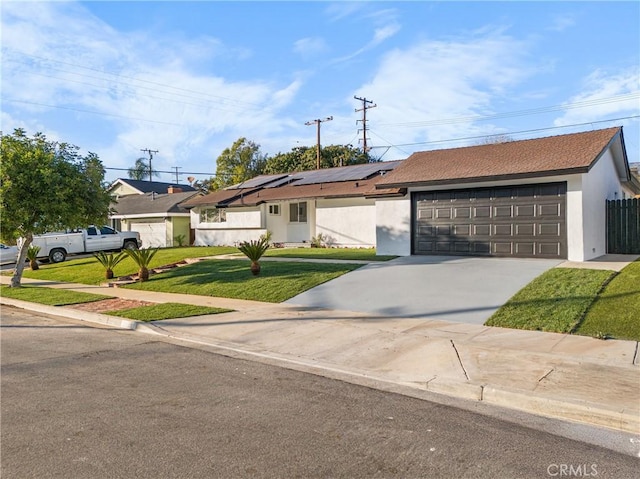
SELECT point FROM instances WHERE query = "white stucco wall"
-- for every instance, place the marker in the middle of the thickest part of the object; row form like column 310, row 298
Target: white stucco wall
column 393, row 226
column 242, row 224
column 601, row 183
column 347, row 222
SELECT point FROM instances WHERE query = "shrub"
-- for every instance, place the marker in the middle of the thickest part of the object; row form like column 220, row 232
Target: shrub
column 142, row 258
column 32, row 256
column 109, row 261
column 254, row 250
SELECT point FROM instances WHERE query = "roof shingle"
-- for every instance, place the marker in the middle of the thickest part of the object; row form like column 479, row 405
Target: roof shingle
column 571, row 153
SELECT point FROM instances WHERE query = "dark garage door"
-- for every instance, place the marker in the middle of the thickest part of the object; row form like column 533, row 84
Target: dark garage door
column 520, row 221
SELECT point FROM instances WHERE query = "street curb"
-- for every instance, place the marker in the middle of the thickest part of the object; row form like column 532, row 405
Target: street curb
column 68, row 312
column 526, row 401
column 567, row 409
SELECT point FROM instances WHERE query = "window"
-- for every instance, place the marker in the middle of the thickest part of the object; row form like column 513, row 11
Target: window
column 298, row 212
column 274, row 210
column 213, row 215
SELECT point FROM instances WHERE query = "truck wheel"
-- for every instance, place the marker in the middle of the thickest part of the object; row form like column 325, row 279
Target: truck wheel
column 130, row 245
column 57, row 255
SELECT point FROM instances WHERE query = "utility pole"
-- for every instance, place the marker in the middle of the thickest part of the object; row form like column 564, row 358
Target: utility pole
column 151, row 152
column 366, row 104
column 177, row 168
column 317, row 122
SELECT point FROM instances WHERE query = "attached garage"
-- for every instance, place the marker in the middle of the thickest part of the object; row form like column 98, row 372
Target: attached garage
column 536, row 198
column 153, row 234
column 517, row 221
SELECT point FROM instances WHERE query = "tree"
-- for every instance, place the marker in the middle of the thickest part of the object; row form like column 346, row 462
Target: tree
column 140, row 171
column 239, row 163
column 47, row 186
column 305, row 158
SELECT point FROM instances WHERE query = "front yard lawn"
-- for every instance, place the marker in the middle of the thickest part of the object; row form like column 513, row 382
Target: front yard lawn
column 277, row 282
column 582, row 301
column 89, row 271
column 360, row 254
column 616, row 311
column 554, row 301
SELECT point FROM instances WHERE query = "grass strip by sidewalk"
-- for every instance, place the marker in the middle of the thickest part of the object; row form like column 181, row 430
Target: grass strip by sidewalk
column 50, row 296
column 65, row 297
column 555, row 301
column 616, row 311
column 161, row 311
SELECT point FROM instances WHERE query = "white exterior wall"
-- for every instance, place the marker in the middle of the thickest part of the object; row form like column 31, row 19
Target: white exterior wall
column 600, row 184
column 348, row 222
column 283, row 230
column 393, row 226
column 243, row 224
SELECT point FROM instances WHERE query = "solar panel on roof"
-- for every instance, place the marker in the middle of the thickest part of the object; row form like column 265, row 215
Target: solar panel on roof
column 344, row 173
column 280, row 182
column 261, row 180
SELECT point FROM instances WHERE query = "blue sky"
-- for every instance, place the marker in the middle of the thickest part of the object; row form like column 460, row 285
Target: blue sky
column 190, row 78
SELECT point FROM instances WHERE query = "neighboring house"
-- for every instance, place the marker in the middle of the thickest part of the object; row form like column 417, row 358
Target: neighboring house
column 541, row 197
column 338, row 203
column 154, row 210
column 124, row 186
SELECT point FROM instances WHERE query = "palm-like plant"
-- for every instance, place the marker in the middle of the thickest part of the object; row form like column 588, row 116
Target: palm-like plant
column 32, row 256
column 254, row 250
column 109, row 261
column 142, row 258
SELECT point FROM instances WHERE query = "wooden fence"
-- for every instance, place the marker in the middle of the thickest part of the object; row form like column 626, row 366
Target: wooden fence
column 623, row 226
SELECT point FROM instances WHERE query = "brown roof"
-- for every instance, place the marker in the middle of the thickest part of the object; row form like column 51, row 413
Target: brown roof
column 336, row 182
column 572, row 153
column 339, row 189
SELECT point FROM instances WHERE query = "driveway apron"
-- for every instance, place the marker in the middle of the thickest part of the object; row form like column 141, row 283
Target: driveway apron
column 450, row 288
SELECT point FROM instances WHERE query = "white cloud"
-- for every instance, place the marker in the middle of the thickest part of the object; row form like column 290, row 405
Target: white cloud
column 308, row 47
column 436, row 80
column 143, row 90
column 560, row 23
column 595, row 99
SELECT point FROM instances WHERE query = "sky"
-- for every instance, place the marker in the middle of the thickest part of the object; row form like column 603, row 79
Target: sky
column 188, row 79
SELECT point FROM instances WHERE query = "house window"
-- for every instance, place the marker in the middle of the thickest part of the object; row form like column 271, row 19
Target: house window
column 274, row 210
column 298, row 212
column 213, row 215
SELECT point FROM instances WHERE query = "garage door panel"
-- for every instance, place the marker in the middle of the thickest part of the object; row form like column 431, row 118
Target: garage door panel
column 524, row 221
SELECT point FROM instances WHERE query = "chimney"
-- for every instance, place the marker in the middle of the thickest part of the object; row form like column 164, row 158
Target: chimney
column 174, row 189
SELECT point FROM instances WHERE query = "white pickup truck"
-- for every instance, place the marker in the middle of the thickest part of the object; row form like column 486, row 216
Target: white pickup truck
column 56, row 246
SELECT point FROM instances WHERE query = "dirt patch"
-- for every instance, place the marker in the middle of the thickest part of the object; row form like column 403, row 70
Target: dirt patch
column 114, row 304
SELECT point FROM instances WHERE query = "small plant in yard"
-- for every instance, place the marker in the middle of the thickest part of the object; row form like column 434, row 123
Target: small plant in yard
column 109, row 261
column 319, row 241
column 142, row 258
column 267, row 236
column 180, row 239
column 254, row 250
column 32, row 256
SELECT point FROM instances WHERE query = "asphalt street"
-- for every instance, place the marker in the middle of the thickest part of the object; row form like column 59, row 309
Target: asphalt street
column 93, row 402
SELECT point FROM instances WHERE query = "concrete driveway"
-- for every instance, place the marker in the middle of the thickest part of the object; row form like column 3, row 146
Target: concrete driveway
column 449, row 288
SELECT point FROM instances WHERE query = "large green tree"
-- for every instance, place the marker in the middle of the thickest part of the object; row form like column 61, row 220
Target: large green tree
column 305, row 158
column 47, row 186
column 239, row 163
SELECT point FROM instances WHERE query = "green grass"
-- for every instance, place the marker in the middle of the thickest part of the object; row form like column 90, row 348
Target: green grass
column 161, row 311
column 362, row 254
column 616, row 311
column 50, row 296
column 89, row 271
column 277, row 282
column 554, row 301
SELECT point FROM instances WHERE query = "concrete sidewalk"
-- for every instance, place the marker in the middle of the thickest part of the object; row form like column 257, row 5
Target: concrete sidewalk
column 574, row 378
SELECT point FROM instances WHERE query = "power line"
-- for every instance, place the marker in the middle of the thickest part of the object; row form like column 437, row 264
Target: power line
column 508, row 133
column 531, row 111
